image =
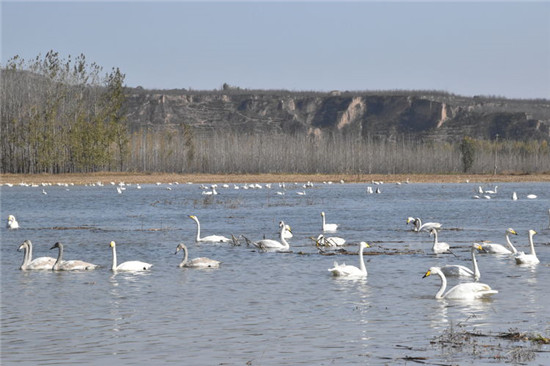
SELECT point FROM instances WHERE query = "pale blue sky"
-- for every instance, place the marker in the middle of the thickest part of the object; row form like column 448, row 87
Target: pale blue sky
column 467, row 48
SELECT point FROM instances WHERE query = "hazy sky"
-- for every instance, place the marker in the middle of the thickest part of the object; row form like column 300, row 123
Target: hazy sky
column 467, row 48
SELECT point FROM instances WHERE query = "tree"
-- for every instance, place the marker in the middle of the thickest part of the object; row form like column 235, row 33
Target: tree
column 468, row 149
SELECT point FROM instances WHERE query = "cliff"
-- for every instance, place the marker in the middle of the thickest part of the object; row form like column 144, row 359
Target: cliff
column 387, row 115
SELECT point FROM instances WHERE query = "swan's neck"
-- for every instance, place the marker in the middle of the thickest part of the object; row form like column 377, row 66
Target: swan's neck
column 435, row 240
column 26, row 259
column 59, row 258
column 185, row 257
column 283, row 240
column 362, row 260
column 514, row 250
column 532, row 245
column 417, row 224
column 198, row 238
column 29, row 259
column 323, row 217
column 477, row 274
column 113, row 267
column 439, row 294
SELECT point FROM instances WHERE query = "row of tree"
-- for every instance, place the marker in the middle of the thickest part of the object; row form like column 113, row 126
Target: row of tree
column 62, row 115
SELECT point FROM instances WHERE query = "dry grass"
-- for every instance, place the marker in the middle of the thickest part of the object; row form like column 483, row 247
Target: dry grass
column 144, row 178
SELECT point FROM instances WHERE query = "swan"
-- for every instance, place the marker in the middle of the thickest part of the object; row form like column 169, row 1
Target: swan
column 499, row 248
column 427, row 226
column 522, row 258
column 12, row 222
column 72, row 265
column 128, row 266
column 274, row 245
column 492, row 191
column 210, row 238
column 514, row 196
column 531, row 196
column 463, row 291
column 331, row 241
column 345, row 270
column 456, row 270
column 438, row 247
column 38, row 263
column 288, row 232
column 328, row 227
column 200, row 262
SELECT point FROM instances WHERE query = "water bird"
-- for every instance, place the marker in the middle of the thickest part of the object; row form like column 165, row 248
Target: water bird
column 327, row 227
column 418, row 226
column 522, row 258
column 531, row 196
column 37, row 263
column 463, row 291
column 129, row 266
column 287, row 234
column 72, row 265
column 210, row 238
column 457, row 270
column 346, row 270
column 438, row 247
column 270, row 244
column 12, row 223
column 514, row 196
column 494, row 248
column 493, row 191
column 331, row 241
column 201, row 262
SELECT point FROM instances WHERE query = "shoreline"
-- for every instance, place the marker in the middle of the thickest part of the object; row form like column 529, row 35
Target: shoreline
column 151, row 178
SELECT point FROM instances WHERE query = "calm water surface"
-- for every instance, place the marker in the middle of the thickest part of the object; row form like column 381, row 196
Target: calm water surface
column 263, row 308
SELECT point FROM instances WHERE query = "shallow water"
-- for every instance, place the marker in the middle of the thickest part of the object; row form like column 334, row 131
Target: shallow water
column 263, row 308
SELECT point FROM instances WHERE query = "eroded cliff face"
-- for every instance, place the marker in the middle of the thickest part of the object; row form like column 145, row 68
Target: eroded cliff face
column 377, row 116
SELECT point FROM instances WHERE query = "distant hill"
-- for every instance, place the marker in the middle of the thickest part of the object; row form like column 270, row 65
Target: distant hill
column 423, row 115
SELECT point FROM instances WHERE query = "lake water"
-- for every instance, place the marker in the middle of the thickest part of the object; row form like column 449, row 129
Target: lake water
column 266, row 308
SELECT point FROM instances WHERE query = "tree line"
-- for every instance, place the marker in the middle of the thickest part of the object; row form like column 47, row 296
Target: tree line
column 64, row 115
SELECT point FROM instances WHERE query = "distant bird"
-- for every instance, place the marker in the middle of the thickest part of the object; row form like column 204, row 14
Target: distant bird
column 438, row 247
column 531, row 196
column 331, row 241
column 201, row 262
column 494, row 191
column 346, row 270
column 210, row 238
column 12, row 223
column 514, row 196
column 130, row 266
column 456, row 270
column 327, row 227
column 273, row 245
column 72, row 265
column 522, row 258
column 499, row 248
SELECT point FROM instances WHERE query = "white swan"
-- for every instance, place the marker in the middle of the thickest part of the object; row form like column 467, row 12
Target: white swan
column 463, row 291
column 418, row 226
column 514, row 196
column 522, row 258
column 34, row 264
column 200, row 262
column 328, row 227
column 210, row 238
column 72, row 265
column 499, row 248
column 132, row 266
column 438, row 247
column 456, row 270
column 12, row 223
column 288, row 232
column 345, row 270
column 492, row 191
column 274, row 245
column 331, row 241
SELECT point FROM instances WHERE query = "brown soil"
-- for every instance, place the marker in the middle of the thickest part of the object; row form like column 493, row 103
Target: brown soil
column 144, row 178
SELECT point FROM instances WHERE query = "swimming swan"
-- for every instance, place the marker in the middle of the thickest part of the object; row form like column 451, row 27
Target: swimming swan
column 463, row 291
column 210, row 238
column 328, row 227
column 456, row 270
column 418, row 226
column 288, row 232
column 34, row 264
column 200, row 262
column 72, row 265
column 128, row 266
column 345, row 270
column 331, row 241
column 438, row 247
column 274, row 245
column 499, row 248
column 522, row 258
column 12, row 223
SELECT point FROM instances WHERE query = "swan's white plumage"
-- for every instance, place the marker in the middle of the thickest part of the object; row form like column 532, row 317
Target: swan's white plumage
column 12, row 223
column 200, row 262
column 457, row 270
column 438, row 247
column 37, row 263
column 331, row 241
column 210, row 238
column 327, row 227
column 131, row 266
column 522, row 258
column 345, row 270
column 494, row 248
column 274, row 245
column 463, row 291
column 71, row 265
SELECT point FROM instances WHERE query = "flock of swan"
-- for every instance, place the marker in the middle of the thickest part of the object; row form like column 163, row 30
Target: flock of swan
column 467, row 290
